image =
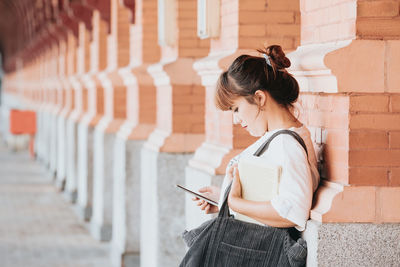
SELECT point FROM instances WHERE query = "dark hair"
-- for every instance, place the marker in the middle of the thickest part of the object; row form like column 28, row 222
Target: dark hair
column 247, row 74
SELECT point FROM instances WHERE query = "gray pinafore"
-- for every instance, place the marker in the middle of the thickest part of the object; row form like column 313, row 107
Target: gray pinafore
column 227, row 242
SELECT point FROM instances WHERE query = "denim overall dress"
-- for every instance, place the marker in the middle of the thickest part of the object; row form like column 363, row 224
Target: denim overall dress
column 227, row 242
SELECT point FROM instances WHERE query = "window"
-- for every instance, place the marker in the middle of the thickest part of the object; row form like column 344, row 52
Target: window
column 166, row 22
column 208, row 18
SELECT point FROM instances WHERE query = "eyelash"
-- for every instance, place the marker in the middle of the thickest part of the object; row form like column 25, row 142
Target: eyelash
column 235, row 110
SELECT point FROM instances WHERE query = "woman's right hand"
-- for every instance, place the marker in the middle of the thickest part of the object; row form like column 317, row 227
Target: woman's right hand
column 211, row 192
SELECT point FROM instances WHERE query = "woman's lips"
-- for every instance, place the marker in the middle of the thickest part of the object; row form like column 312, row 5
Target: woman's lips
column 244, row 127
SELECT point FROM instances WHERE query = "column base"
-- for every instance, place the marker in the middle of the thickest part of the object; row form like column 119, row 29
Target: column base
column 130, row 260
column 71, row 155
column 70, row 196
column 125, row 259
column 352, row 244
column 126, row 199
column 46, row 136
column 17, row 142
column 84, row 213
column 61, row 151
column 39, row 136
column 163, row 216
column 85, row 166
column 52, row 175
column 103, row 160
column 101, row 232
column 53, row 142
column 196, row 179
column 207, row 167
column 60, row 184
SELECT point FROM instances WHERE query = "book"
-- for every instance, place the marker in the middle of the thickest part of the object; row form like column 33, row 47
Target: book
column 260, row 181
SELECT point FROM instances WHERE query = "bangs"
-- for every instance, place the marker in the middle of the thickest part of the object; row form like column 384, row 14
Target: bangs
column 224, row 96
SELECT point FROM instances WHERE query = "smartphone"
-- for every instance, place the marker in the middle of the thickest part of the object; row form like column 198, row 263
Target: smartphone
column 212, row 202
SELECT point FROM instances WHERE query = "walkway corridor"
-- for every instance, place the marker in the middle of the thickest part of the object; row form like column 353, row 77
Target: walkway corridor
column 38, row 228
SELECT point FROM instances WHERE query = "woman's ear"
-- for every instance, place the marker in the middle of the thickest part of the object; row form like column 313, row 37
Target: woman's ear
column 260, row 98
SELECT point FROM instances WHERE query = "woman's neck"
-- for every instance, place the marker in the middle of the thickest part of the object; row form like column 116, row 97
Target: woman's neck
column 282, row 118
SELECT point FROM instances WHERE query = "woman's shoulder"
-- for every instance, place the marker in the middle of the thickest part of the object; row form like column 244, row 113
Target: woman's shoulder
column 280, row 145
column 288, row 146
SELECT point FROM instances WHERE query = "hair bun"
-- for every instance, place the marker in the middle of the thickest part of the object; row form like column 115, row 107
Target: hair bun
column 278, row 57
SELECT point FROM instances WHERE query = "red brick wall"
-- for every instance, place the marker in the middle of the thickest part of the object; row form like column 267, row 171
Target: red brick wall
column 378, row 19
column 374, row 155
column 269, row 22
column 327, row 21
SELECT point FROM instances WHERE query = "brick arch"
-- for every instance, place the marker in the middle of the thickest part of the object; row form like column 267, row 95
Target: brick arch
column 21, row 21
column 10, row 30
column 103, row 6
column 84, row 13
column 130, row 4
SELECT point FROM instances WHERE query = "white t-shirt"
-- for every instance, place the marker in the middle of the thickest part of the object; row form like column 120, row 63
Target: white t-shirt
column 299, row 177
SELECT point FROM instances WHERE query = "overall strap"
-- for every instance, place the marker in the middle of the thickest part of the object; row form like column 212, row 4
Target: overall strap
column 224, row 212
column 265, row 146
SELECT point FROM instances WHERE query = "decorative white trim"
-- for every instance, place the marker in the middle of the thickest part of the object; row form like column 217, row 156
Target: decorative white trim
column 208, row 68
column 309, row 69
column 208, row 157
column 158, row 73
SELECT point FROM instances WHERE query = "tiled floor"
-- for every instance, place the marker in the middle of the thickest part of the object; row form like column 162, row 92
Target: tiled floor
column 38, row 227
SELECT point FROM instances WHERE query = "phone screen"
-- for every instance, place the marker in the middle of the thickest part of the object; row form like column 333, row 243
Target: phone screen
column 212, row 202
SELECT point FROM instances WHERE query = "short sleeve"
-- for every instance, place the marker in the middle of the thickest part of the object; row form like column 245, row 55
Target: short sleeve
column 294, row 198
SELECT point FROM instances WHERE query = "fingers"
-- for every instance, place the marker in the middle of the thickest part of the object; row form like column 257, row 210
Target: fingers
column 205, row 189
column 203, row 204
column 207, row 209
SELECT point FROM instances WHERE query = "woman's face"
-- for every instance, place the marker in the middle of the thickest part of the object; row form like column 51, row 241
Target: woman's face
column 248, row 116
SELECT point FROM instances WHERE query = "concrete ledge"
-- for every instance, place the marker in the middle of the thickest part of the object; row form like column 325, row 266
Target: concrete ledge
column 352, row 244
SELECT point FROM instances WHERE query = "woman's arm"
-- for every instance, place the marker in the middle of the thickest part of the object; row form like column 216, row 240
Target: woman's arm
column 261, row 211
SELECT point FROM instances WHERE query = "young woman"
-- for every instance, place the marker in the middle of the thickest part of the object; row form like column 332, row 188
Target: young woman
column 260, row 93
